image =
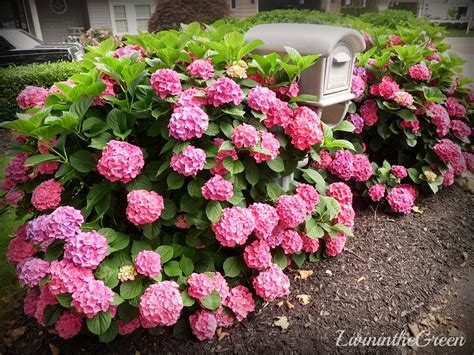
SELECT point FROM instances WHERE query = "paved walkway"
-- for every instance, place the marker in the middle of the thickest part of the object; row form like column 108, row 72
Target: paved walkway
column 464, row 47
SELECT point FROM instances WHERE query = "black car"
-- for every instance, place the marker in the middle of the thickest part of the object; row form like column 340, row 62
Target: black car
column 18, row 47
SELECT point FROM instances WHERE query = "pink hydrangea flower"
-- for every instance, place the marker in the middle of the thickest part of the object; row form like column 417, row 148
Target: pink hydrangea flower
column 47, row 168
column 221, row 286
column 200, row 285
column 309, row 195
column 276, row 237
column 377, row 192
column 47, row 195
column 414, row 126
column 44, row 147
column 92, row 297
column 14, row 197
column 129, row 51
column 439, row 117
column 16, row 171
column 447, row 150
column 45, row 299
column 257, row 255
column 270, row 144
column 219, row 168
column 68, row 325
column 217, row 189
column 448, row 177
column 346, row 215
column 32, row 96
column 128, row 328
column 305, row 129
column 291, row 210
column 357, row 121
column 108, row 90
column 419, row 72
column 234, row 227
column 188, row 122
column 358, row 86
column 279, row 114
column 166, row 83
column 64, row 223
column 310, row 245
column 189, row 161
column 224, row 91
column 261, row 99
column 161, row 304
column 460, row 129
column 144, row 206
column 403, row 98
column 324, row 161
column 37, row 230
column 340, row 191
column 120, row 161
column 271, row 283
column 181, row 222
column 224, row 318
column 342, row 164
column 201, row 69
column 335, row 246
column 20, row 250
column 86, row 249
column 148, row 263
column 245, row 136
column 66, row 277
column 455, row 109
column 395, row 40
column 368, row 111
column 362, row 168
column 241, row 302
column 291, row 242
column 469, row 159
column 191, row 97
column 266, row 219
column 55, row 90
column 399, row 171
column 30, row 302
column 31, row 271
column 387, row 88
column 203, row 325
column 401, row 199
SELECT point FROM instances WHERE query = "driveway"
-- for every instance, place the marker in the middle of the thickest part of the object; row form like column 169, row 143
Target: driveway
column 464, row 47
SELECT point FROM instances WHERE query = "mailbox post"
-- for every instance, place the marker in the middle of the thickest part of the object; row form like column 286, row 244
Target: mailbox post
column 331, row 77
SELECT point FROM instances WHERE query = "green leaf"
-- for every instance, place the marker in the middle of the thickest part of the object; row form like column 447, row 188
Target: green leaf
column 433, row 94
column 170, row 210
column 279, row 258
column 97, row 193
column 194, row 189
column 52, row 314
column 233, row 266
column 181, row 329
column 117, row 300
column 80, row 107
column 64, row 299
column 299, row 258
column 252, row 172
column 40, row 158
column 277, row 164
column 213, row 211
column 187, row 265
column 188, row 301
column 313, row 230
column 233, row 166
column 212, row 302
column 131, row 289
column 111, row 333
column 305, row 98
column 314, row 177
column 138, row 246
column 339, row 143
column 274, row 191
column 175, row 181
column 344, row 126
column 100, row 141
column 166, row 253
column 99, row 323
column 54, row 251
column 82, row 161
column 407, row 115
column 152, row 230
column 172, row 269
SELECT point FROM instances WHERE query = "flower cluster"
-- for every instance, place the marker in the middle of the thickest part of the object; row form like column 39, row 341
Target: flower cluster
column 144, row 206
column 120, row 161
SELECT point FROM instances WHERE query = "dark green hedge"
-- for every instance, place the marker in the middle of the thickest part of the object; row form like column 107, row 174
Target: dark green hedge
column 14, row 79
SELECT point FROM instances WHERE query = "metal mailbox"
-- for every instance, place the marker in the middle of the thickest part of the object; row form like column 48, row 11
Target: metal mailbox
column 331, row 77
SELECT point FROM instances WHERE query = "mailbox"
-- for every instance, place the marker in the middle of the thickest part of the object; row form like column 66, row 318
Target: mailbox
column 331, row 77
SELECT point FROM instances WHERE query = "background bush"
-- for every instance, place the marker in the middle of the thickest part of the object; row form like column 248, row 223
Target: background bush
column 14, row 79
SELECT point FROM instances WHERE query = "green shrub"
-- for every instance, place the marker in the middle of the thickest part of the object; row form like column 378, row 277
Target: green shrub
column 14, row 79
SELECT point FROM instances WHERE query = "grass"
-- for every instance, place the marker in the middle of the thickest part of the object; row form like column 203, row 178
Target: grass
column 459, row 32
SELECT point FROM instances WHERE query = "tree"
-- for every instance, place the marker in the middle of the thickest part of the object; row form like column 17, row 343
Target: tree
column 172, row 13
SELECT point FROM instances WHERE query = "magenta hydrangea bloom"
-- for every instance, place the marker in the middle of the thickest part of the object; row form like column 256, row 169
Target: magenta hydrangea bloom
column 20, row 250
column 368, row 111
column 346, row 215
column 266, row 219
column 276, row 237
column 224, row 91
column 31, row 271
column 401, row 199
column 32, row 96
column 257, row 255
column 377, row 192
column 414, row 126
column 357, row 121
column 272, row 283
column 30, row 303
column 291, row 242
column 66, row 277
column 324, row 161
column 219, row 168
column 191, row 97
column 439, row 117
column 201, row 69
column 362, row 168
column 92, row 297
column 224, row 318
column 399, row 171
column 455, row 109
column 387, row 88
column 460, row 129
column 358, row 86
column 161, row 304
column 447, row 150
column 234, row 227
column 469, row 159
column 144, row 206
column 64, row 223
column 419, row 72
column 16, row 172
column 335, row 246
column 221, row 286
column 448, row 177
column 128, row 328
column 241, row 302
column 305, row 128
column 291, row 210
column 342, row 164
column 189, row 161
column 148, row 263
column 14, row 197
column 245, row 136
column 45, row 299
column 47, row 168
column 86, row 249
column 340, row 191
column 68, row 325
column 310, row 245
column 270, row 144
column 203, row 324
column 279, row 114
column 188, row 122
column 120, row 161
column 181, row 222
column 217, row 189
column 166, row 83
column 108, row 91
column 403, row 98
column 200, row 285
column 129, row 51
column 37, row 229
column 261, row 99
column 47, row 195
column 309, row 195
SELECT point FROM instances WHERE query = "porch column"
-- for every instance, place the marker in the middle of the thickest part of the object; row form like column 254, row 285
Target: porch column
column 34, row 16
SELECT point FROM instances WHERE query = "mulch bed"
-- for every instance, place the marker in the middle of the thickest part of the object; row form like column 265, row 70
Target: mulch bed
column 398, row 271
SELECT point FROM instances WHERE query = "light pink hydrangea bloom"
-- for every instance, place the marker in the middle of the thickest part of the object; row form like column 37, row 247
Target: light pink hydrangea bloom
column 403, row 98
column 120, row 161
column 455, row 109
column 387, row 88
column 335, row 246
column 309, row 195
column 460, row 129
column 221, row 286
column 257, row 255
column 32, row 96
column 279, row 114
column 346, row 215
column 419, row 72
column 64, row 223
column 266, row 219
column 271, row 283
column 342, row 164
column 291, row 242
column 224, row 91
column 305, row 128
column 399, row 171
column 358, row 86
column 368, row 111
column 166, row 83
column 377, row 192
column 66, row 277
column 217, row 189
column 261, row 99
column 92, row 297
column 401, row 199
column 201, row 69
column 161, row 304
column 144, row 206
column 188, row 122
column 128, row 328
column 270, row 144
column 310, row 245
column 203, row 324
column 324, row 161
column 245, row 136
column 439, row 117
column 340, row 191
column 362, row 168
column 86, row 249
column 200, row 285
column 291, row 210
column 31, row 271
column 235, row 226
column 189, row 161
column 148, row 263
column 224, row 318
column 241, row 302
column 129, row 51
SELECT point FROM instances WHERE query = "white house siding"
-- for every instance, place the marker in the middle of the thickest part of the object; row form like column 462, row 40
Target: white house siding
column 244, row 8
column 438, row 9
column 99, row 14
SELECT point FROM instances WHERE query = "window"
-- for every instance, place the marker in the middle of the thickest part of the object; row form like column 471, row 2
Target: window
column 233, row 4
column 120, row 15
column 143, row 13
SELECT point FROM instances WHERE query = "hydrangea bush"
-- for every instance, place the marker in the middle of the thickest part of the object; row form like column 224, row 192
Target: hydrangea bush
column 153, row 186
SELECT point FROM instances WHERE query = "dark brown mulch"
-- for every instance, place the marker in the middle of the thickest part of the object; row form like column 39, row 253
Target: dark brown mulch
column 409, row 265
